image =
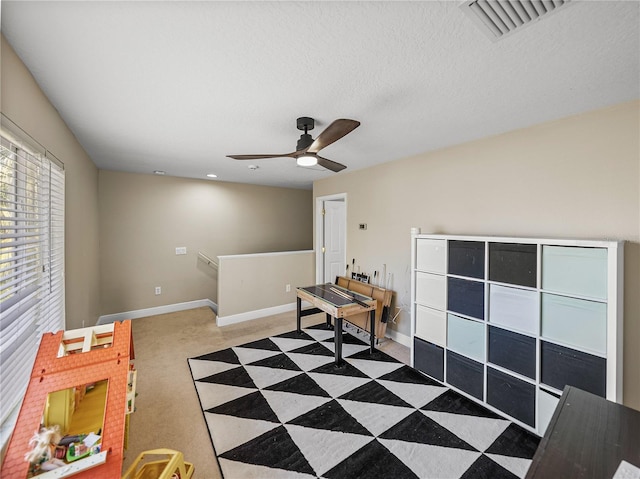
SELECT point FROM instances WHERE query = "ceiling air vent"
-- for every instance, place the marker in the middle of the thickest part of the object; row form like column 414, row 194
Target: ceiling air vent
column 499, row 18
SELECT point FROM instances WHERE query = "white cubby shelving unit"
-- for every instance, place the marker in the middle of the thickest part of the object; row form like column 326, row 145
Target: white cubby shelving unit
column 509, row 322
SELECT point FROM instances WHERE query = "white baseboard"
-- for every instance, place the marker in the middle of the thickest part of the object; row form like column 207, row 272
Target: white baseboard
column 169, row 308
column 226, row 320
column 258, row 313
column 398, row 337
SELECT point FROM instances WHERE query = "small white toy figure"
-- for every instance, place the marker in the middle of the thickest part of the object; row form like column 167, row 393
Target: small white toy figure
column 44, row 444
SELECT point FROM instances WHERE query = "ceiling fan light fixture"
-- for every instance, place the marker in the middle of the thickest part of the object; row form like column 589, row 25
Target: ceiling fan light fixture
column 306, row 153
column 307, row 160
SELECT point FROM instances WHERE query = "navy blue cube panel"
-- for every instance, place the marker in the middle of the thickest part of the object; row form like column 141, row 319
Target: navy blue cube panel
column 511, row 395
column 513, row 351
column 513, row 263
column 565, row 366
column 465, row 374
column 466, row 258
column 466, row 297
column 428, row 358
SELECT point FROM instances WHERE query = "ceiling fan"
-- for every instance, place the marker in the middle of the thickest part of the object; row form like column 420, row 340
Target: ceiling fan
column 307, row 149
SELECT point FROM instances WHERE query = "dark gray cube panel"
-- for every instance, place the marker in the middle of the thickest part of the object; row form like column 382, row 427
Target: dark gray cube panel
column 428, row 358
column 466, row 297
column 466, row 258
column 563, row 366
column 465, row 374
column 511, row 395
column 513, row 263
column 513, row 351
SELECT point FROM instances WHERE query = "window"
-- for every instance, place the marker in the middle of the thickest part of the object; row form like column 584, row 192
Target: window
column 31, row 264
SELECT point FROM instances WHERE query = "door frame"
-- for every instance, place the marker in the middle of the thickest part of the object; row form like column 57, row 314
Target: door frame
column 317, row 241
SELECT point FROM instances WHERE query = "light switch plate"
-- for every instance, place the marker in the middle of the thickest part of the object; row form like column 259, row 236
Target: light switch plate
column 181, row 250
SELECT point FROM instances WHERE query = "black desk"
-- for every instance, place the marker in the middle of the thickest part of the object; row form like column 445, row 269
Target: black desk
column 324, row 298
column 587, row 438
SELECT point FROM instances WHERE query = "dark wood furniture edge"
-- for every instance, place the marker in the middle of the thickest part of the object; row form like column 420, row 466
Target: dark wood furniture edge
column 544, row 442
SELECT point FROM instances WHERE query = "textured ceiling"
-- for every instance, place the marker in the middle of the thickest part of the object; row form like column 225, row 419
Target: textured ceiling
column 177, row 85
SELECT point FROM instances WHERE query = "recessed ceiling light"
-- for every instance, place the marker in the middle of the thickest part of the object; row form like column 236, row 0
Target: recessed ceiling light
column 211, row 175
column 158, row 172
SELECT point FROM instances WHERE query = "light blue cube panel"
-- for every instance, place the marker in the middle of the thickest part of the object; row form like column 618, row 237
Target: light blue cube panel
column 575, row 322
column 575, row 270
column 466, row 337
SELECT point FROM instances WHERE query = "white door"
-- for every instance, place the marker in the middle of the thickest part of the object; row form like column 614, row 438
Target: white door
column 334, row 224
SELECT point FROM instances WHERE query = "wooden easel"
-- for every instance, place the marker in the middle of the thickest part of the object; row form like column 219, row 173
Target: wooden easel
column 383, row 299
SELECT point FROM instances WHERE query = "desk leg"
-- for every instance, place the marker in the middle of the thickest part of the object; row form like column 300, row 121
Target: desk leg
column 372, row 334
column 338, row 340
column 329, row 321
column 298, row 310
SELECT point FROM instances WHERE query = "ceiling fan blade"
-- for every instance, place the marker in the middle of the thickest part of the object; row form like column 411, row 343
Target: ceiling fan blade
column 258, row 157
column 330, row 165
column 332, row 133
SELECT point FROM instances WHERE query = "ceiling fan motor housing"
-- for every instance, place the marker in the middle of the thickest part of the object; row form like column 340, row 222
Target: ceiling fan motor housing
column 304, row 141
column 305, row 124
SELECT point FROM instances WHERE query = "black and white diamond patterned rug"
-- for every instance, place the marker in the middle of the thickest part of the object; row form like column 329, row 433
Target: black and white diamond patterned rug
column 280, row 408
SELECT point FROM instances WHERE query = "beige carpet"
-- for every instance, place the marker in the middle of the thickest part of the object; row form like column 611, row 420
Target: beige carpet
column 167, row 409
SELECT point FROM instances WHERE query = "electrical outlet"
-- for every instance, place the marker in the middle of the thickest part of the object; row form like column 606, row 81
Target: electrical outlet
column 158, row 290
column 287, row 288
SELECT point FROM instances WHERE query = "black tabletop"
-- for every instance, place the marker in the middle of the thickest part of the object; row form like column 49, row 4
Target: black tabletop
column 587, row 437
column 327, row 292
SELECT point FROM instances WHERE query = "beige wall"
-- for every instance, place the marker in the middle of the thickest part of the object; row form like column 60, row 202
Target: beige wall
column 26, row 105
column 578, row 177
column 253, row 282
column 143, row 218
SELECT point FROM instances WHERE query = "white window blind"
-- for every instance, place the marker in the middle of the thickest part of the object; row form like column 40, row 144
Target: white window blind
column 31, row 264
